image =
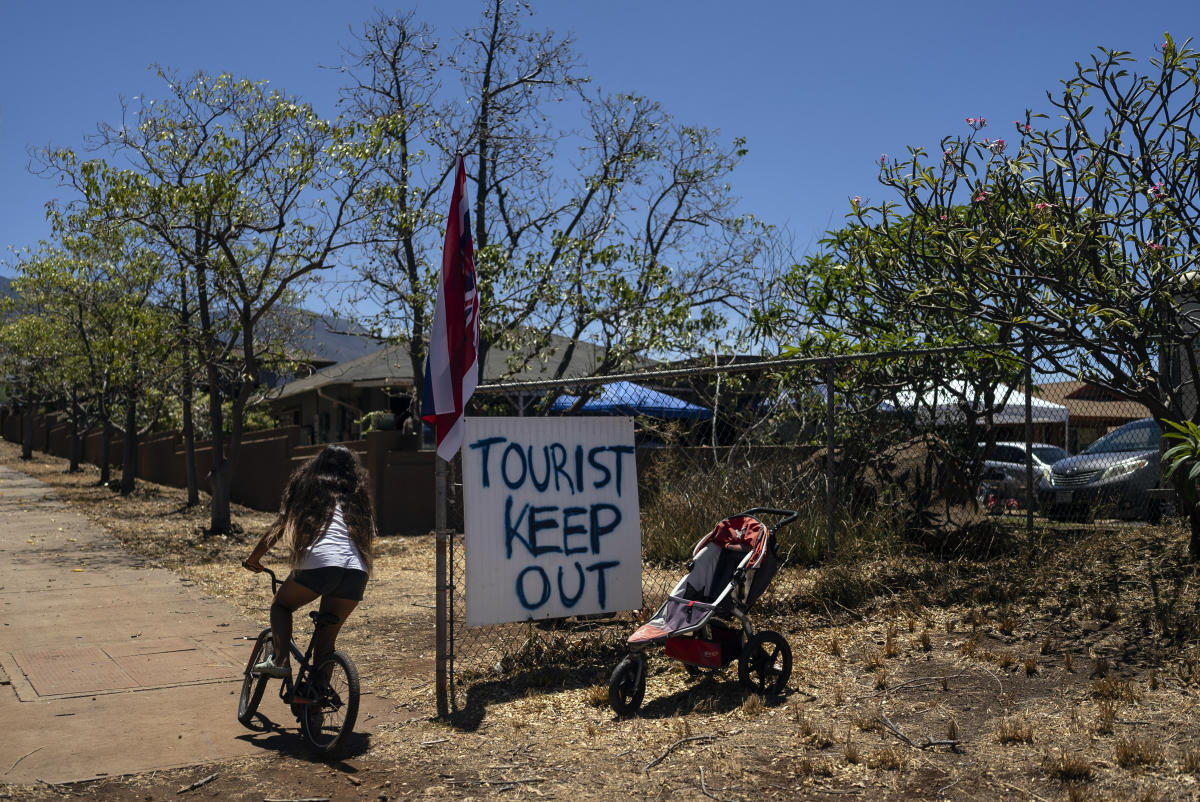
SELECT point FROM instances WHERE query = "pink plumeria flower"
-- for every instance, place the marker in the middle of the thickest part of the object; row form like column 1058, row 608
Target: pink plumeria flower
column 943, row 218
column 997, row 147
column 980, row 197
column 1043, row 206
column 1154, row 246
column 1157, row 192
column 976, row 122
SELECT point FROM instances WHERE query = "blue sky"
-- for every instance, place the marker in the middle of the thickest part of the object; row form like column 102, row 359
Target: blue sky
column 818, row 89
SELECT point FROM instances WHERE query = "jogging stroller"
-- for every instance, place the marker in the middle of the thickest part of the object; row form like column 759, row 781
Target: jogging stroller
column 704, row 623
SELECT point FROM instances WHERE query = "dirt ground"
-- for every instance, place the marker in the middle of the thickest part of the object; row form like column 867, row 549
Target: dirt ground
column 1067, row 668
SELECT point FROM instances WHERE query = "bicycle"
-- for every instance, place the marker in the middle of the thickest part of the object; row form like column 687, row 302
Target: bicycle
column 323, row 698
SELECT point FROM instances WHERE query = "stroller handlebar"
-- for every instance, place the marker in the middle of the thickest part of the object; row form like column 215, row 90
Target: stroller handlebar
column 787, row 515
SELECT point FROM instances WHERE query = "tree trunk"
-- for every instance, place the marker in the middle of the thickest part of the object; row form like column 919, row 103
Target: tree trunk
column 129, row 459
column 27, row 434
column 189, row 446
column 220, row 475
column 189, row 425
column 76, row 440
column 106, row 453
column 221, row 481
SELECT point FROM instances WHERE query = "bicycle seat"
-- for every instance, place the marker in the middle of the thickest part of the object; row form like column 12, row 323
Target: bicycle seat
column 320, row 618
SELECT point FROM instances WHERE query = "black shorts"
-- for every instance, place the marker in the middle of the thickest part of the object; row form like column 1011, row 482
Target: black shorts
column 341, row 583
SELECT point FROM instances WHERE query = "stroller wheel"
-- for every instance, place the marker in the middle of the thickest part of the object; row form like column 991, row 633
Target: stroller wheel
column 627, row 685
column 766, row 663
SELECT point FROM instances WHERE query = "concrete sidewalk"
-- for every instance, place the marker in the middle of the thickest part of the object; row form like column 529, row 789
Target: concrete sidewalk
column 109, row 666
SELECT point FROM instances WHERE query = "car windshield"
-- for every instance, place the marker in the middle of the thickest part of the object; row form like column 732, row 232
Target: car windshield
column 1140, row 436
column 1050, row 454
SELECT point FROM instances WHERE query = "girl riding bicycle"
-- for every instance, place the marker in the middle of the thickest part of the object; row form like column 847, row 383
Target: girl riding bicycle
column 328, row 519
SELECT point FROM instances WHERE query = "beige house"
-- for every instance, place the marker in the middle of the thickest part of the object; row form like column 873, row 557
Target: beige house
column 1094, row 411
column 330, row 404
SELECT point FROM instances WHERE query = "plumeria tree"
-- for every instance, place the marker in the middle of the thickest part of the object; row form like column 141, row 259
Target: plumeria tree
column 1080, row 232
column 1074, row 235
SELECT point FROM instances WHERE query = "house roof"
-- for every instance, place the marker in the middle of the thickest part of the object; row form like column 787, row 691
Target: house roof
column 389, row 367
column 1086, row 401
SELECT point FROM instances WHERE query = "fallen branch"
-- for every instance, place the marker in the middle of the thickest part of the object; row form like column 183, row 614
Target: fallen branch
column 22, row 757
column 896, row 731
column 435, row 741
column 928, row 741
column 674, row 746
column 999, row 684
column 197, row 784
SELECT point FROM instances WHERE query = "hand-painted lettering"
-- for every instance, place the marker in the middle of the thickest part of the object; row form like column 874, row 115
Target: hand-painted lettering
column 545, row 590
column 545, row 481
column 510, row 449
column 537, row 523
column 592, row 454
column 570, row 601
column 558, row 453
column 485, row 446
column 601, row 591
column 534, row 577
column 512, row 529
column 600, row 527
column 570, row 529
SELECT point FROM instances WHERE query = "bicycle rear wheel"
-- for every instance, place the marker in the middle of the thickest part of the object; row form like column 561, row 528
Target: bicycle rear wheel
column 253, row 684
column 329, row 718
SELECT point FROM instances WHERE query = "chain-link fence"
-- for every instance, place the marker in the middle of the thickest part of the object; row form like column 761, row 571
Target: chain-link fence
column 863, row 448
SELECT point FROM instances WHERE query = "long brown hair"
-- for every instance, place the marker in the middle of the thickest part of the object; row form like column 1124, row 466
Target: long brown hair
column 334, row 476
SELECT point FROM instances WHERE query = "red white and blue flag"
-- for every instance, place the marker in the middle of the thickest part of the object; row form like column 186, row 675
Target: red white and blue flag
column 452, row 366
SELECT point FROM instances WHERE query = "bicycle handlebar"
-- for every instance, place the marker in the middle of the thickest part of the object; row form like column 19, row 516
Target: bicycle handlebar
column 275, row 583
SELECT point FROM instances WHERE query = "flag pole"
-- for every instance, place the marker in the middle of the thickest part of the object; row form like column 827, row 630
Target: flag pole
column 442, row 574
column 451, row 375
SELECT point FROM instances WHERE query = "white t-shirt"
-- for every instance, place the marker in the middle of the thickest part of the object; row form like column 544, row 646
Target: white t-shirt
column 333, row 549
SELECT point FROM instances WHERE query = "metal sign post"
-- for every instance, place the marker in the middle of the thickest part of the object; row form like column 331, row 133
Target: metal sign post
column 442, row 581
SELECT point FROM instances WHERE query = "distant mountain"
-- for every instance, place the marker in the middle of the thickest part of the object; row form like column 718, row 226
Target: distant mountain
column 327, row 340
column 5, row 286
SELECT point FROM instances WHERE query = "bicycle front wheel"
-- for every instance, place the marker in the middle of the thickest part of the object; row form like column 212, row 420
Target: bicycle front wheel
column 253, row 684
column 329, row 717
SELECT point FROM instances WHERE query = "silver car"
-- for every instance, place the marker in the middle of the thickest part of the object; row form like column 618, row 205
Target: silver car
column 1004, row 467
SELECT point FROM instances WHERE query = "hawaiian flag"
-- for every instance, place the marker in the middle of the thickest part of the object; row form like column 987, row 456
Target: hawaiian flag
column 452, row 366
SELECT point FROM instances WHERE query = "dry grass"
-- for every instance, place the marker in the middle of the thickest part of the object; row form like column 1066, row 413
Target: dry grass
column 1067, row 767
column 1068, row 733
column 1136, row 752
column 1014, row 730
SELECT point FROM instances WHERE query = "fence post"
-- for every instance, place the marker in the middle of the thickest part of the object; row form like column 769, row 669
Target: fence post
column 442, row 581
column 829, row 419
column 1028, row 437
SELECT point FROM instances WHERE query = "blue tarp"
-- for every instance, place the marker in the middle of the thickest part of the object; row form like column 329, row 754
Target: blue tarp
column 627, row 398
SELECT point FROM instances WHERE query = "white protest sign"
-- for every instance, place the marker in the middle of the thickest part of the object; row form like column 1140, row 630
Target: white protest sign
column 551, row 518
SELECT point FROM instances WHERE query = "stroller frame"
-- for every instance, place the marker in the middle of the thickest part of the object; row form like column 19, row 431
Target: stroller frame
column 696, row 623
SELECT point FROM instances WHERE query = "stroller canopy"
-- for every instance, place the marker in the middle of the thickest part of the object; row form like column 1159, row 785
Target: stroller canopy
column 742, row 533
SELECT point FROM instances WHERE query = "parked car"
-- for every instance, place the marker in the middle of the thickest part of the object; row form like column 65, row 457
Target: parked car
column 1004, row 468
column 1111, row 477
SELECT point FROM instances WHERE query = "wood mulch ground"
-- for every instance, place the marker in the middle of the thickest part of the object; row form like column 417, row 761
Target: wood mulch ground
column 1067, row 668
